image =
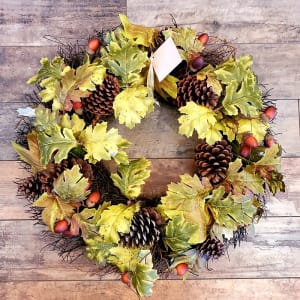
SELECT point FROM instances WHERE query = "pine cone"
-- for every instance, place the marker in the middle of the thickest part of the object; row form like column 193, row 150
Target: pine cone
column 100, row 101
column 189, row 88
column 213, row 161
column 143, row 231
column 33, row 186
column 211, row 248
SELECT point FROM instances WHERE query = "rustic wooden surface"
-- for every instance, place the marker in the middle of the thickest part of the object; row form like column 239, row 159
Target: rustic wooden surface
column 265, row 267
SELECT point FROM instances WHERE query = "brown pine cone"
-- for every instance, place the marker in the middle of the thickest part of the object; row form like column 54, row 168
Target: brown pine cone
column 192, row 89
column 100, row 101
column 211, row 248
column 213, row 161
column 143, row 231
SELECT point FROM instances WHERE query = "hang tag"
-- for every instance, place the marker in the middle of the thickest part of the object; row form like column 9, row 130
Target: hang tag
column 165, row 59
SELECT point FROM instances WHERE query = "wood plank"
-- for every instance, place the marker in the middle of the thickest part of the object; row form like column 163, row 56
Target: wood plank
column 273, row 252
column 26, row 22
column 239, row 21
column 234, row 289
column 157, row 136
column 19, row 63
column 164, row 171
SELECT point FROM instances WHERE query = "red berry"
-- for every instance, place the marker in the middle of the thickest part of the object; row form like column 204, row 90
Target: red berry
column 197, row 62
column 77, row 105
column 203, row 38
column 61, row 226
column 269, row 140
column 94, row 44
column 181, row 269
column 94, row 197
column 125, row 278
column 270, row 112
column 250, row 141
column 245, row 151
column 88, row 185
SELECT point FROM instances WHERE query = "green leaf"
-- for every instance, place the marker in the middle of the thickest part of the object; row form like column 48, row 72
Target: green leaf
column 141, row 35
column 229, row 213
column 102, row 144
column 70, row 186
column 58, row 141
column 131, row 177
column 187, row 198
column 244, row 98
column 209, row 74
column 125, row 60
column 179, row 233
column 54, row 209
column 167, row 87
column 144, row 275
column 50, row 69
column 115, row 219
column 132, row 104
column 31, row 156
column 234, row 70
column 98, row 249
column 199, row 118
column 244, row 180
column 254, row 126
column 125, row 259
column 45, row 119
column 185, row 39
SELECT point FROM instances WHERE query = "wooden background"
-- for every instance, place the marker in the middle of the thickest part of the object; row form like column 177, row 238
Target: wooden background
column 265, row 267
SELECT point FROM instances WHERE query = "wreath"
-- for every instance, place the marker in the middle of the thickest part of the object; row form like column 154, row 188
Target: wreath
column 66, row 141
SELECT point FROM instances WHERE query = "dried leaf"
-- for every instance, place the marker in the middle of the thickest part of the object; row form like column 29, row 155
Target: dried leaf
column 31, row 156
column 167, row 87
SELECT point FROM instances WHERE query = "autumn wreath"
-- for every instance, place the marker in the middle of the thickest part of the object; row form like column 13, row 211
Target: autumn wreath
column 125, row 73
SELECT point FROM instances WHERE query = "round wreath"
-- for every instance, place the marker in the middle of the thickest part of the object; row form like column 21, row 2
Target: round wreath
column 67, row 140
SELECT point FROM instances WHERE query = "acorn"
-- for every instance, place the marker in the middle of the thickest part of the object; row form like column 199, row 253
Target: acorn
column 93, row 199
column 270, row 112
column 203, row 38
column 245, row 151
column 250, row 141
column 125, row 278
column 77, row 107
column 269, row 140
column 61, row 226
column 181, row 269
column 197, row 63
column 93, row 45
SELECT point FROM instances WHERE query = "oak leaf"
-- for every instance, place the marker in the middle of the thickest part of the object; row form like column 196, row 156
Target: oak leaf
column 208, row 74
column 132, row 104
column 131, row 177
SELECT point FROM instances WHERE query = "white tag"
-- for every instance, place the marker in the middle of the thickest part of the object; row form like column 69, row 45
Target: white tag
column 26, row 112
column 165, row 59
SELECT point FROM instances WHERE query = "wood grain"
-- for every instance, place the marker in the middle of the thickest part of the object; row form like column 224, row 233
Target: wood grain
column 215, row 289
column 157, row 136
column 20, row 63
column 239, row 21
column 163, row 172
column 25, row 23
column 272, row 252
